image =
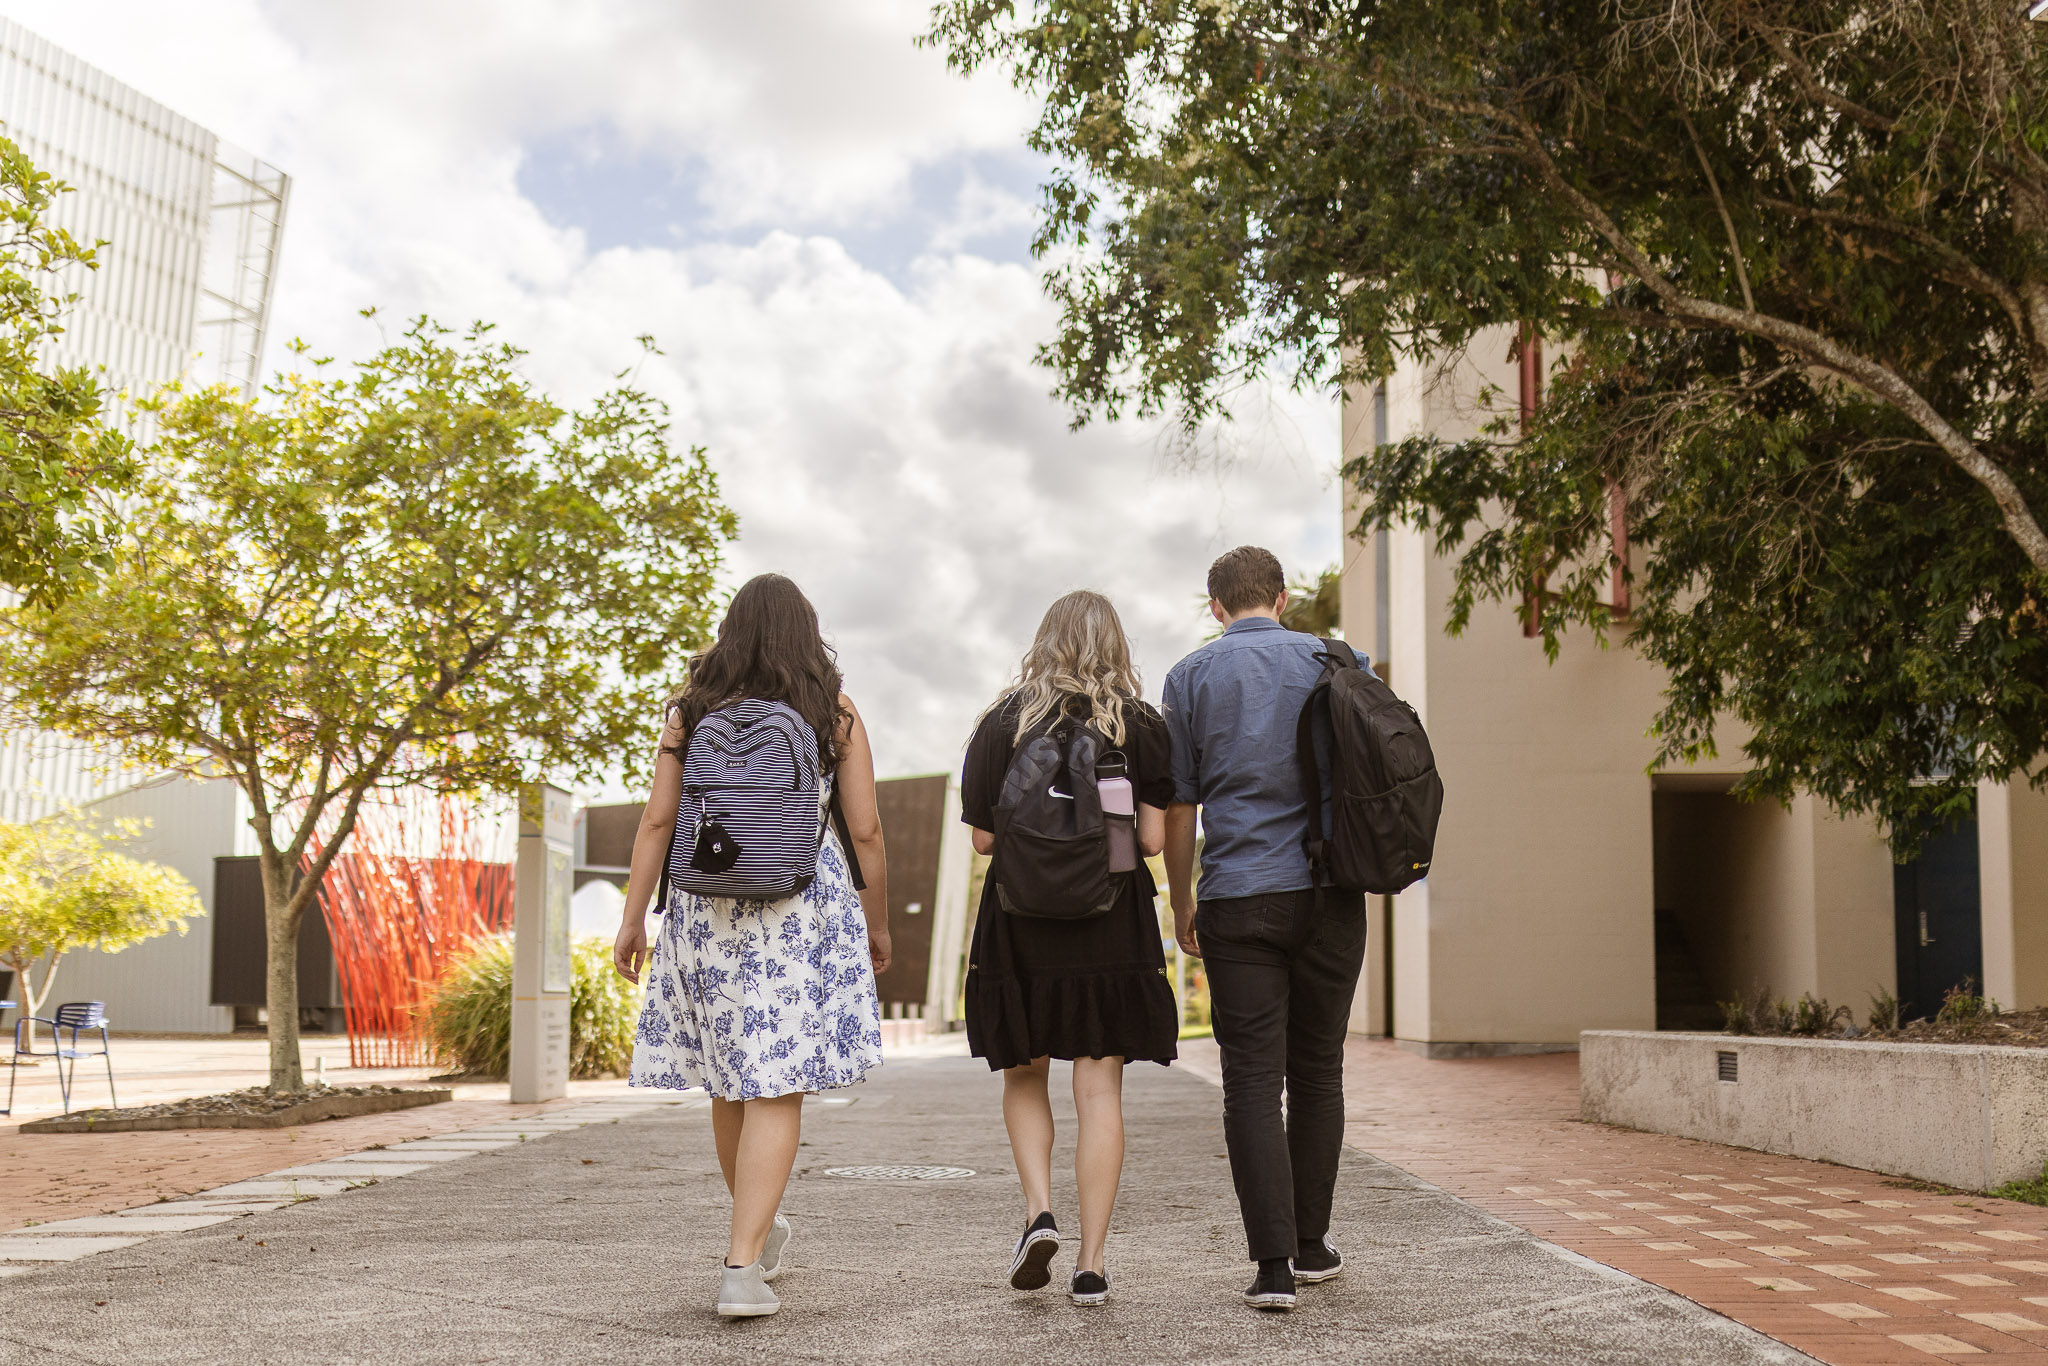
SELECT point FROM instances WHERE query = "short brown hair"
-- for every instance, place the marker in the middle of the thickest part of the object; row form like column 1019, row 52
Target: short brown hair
column 1246, row 578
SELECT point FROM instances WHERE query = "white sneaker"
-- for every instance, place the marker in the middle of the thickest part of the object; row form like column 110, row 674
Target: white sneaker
column 771, row 1251
column 743, row 1293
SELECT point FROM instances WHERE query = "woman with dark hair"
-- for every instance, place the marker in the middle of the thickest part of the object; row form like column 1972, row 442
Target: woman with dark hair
column 760, row 1001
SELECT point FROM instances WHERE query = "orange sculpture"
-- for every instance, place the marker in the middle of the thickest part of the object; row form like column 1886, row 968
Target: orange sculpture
column 415, row 887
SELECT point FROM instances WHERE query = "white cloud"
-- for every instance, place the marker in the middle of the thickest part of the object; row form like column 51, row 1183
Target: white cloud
column 881, row 432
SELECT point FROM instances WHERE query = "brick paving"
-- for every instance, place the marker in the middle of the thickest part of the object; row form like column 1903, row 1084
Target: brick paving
column 1848, row 1266
column 44, row 1177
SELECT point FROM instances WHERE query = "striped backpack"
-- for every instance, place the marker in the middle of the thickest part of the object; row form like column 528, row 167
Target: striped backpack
column 748, row 825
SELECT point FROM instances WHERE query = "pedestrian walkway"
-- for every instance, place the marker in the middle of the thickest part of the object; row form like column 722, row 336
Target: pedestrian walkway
column 1843, row 1264
column 601, row 1243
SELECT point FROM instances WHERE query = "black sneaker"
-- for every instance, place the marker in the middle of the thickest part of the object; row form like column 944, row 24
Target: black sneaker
column 1317, row 1262
column 1035, row 1252
column 1089, row 1287
column 1274, row 1289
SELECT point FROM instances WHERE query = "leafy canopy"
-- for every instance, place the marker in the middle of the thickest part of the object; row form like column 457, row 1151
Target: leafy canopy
column 60, row 466
column 421, row 573
column 1794, row 255
column 62, row 888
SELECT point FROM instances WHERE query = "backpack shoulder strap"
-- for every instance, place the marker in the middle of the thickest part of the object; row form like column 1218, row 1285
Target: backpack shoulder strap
column 1336, row 654
column 838, row 816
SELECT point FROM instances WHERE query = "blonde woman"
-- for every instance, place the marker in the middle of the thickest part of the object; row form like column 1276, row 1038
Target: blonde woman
column 1082, row 983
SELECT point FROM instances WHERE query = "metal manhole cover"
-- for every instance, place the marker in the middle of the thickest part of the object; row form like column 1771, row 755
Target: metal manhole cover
column 900, row 1173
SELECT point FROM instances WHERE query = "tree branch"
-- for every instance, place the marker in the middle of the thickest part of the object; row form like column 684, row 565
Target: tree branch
column 1727, row 222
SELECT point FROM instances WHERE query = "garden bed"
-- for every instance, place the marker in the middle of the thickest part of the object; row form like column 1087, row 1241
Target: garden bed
column 254, row 1108
column 1966, row 1114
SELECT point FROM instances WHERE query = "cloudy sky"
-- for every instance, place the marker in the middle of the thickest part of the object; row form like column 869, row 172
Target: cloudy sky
column 826, row 232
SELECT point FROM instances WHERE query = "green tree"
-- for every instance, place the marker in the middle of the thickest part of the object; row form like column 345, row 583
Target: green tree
column 1314, row 605
column 1795, row 256
column 62, row 888
column 423, row 574
column 60, row 466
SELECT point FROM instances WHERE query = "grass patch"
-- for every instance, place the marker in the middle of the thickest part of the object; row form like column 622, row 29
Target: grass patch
column 2032, row 1191
column 1197, row 1031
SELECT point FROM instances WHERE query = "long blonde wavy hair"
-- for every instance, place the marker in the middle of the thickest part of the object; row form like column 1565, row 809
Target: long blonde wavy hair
column 1079, row 651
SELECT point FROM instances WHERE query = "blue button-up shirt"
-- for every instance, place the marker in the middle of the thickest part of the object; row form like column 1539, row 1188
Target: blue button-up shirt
column 1231, row 709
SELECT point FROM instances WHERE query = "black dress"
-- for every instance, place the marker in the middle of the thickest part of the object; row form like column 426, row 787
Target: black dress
column 1093, row 988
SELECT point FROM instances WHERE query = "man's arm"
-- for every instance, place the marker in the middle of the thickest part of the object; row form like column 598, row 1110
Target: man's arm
column 1180, row 815
column 1180, row 874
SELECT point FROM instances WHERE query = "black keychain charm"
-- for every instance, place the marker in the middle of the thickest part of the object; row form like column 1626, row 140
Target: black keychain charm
column 716, row 850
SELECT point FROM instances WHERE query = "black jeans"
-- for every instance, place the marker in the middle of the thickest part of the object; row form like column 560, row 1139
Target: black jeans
column 1281, row 979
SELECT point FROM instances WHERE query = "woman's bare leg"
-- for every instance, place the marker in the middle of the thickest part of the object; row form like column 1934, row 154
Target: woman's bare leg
column 766, row 1151
column 726, row 1118
column 1027, row 1114
column 1098, row 1151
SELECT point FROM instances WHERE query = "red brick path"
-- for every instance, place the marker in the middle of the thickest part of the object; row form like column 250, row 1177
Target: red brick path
column 1839, row 1263
column 63, row 1176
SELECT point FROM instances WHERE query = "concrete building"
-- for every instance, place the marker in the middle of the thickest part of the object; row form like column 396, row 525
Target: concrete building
column 1574, row 890
column 192, row 229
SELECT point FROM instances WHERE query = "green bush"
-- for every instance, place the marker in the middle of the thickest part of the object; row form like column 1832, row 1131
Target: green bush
column 1761, row 1013
column 471, row 1016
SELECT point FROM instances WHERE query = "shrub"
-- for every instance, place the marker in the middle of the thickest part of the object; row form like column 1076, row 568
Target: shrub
column 1761, row 1013
column 604, row 1013
column 1962, row 1008
column 471, row 1015
column 1884, row 1010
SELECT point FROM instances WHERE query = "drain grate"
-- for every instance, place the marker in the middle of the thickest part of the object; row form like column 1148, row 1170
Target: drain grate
column 900, row 1173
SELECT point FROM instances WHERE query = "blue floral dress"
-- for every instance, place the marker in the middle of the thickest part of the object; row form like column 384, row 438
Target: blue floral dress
column 754, row 999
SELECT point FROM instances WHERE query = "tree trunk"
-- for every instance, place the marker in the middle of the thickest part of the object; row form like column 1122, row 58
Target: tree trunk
column 281, row 995
column 32, row 998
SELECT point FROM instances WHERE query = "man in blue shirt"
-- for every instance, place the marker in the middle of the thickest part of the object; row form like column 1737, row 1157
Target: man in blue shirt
column 1282, row 959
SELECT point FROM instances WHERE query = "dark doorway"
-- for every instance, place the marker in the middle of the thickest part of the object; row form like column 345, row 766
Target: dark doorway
column 1939, row 919
column 913, row 812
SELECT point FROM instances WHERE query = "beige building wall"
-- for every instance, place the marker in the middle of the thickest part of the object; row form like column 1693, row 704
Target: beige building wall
column 2012, row 849
column 1852, row 907
column 1538, row 918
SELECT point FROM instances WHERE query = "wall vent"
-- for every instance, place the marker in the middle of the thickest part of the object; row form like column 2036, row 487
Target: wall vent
column 1725, row 1063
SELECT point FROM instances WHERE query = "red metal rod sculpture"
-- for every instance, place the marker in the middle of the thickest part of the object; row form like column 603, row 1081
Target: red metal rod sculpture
column 415, row 887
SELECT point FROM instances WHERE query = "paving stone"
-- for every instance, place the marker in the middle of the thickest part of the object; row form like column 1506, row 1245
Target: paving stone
column 348, row 1167
column 14, row 1249
column 148, row 1225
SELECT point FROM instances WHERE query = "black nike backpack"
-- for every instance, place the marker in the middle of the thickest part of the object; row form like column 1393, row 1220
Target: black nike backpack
column 1385, row 795
column 1052, row 845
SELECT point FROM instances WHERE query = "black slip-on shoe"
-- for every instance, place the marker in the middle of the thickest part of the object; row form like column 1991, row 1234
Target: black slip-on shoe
column 1274, row 1289
column 1317, row 1262
column 1089, row 1287
column 1035, row 1251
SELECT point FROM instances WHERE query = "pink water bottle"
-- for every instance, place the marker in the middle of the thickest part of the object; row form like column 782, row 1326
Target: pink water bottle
column 1119, row 811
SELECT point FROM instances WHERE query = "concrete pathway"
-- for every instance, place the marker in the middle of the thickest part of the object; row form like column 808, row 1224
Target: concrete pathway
column 601, row 1243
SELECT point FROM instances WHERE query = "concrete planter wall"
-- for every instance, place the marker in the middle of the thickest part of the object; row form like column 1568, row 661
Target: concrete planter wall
column 1961, row 1114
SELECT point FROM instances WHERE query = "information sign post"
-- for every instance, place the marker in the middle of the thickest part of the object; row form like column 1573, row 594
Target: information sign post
column 540, row 945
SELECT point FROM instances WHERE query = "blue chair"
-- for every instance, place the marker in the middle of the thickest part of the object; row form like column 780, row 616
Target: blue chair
column 77, row 1017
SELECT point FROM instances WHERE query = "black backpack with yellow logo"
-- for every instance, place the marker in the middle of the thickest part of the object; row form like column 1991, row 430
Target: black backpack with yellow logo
column 1385, row 795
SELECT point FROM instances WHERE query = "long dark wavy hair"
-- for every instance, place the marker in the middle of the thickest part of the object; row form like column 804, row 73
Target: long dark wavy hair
column 768, row 647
